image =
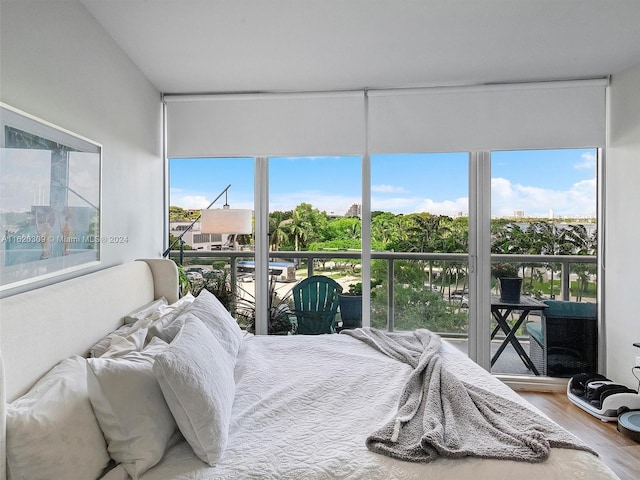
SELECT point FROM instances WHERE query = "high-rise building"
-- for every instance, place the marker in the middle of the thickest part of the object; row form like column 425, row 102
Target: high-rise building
column 355, row 210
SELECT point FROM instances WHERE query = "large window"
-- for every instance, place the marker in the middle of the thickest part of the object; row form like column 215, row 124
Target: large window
column 315, row 227
column 194, row 184
column 315, row 203
column 543, row 204
column 420, row 209
column 216, row 184
column 424, row 228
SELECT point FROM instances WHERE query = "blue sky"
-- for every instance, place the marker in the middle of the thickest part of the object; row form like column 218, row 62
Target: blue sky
column 25, row 179
column 538, row 182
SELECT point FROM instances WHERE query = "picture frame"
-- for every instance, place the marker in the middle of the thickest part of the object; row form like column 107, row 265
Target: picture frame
column 50, row 199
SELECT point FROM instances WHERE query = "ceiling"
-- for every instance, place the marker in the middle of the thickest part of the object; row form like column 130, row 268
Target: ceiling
column 196, row 46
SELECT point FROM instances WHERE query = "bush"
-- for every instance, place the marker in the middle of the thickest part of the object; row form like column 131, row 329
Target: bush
column 504, row 270
column 418, row 307
column 217, row 282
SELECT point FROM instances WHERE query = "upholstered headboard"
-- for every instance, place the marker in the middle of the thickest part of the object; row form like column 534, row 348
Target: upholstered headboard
column 42, row 327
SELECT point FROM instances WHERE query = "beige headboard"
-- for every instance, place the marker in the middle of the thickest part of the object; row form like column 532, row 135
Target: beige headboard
column 42, row 327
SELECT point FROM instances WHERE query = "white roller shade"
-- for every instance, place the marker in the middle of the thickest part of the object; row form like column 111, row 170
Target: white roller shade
column 265, row 124
column 516, row 116
column 497, row 117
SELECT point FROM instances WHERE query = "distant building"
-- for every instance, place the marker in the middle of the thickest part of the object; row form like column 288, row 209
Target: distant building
column 518, row 214
column 197, row 240
column 355, row 210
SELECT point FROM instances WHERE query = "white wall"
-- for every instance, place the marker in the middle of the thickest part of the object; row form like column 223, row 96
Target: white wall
column 57, row 63
column 622, row 255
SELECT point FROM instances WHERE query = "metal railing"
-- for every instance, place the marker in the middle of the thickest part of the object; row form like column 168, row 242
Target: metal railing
column 564, row 261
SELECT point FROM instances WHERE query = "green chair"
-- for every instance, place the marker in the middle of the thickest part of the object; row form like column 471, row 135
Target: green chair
column 316, row 304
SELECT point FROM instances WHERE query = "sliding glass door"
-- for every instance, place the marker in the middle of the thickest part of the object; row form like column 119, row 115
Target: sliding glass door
column 419, row 241
column 315, row 225
column 420, row 230
column 426, row 252
column 543, row 232
column 214, row 255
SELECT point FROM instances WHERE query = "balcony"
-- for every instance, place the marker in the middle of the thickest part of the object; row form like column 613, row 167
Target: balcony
column 415, row 290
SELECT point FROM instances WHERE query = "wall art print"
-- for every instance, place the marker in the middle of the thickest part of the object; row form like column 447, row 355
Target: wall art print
column 50, row 194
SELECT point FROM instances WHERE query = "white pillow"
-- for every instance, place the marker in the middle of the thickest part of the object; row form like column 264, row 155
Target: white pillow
column 195, row 374
column 166, row 331
column 103, row 344
column 147, row 311
column 179, row 304
column 116, row 473
column 52, row 431
column 219, row 321
column 130, row 408
column 120, row 346
column 163, row 327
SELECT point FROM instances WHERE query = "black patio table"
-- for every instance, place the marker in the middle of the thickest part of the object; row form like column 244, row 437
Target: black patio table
column 501, row 312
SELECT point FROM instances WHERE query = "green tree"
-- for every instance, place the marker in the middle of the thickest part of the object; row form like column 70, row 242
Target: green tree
column 278, row 229
column 173, row 238
column 305, row 225
column 179, row 214
column 343, row 229
column 298, row 228
column 547, row 239
column 417, row 307
column 582, row 242
column 383, row 227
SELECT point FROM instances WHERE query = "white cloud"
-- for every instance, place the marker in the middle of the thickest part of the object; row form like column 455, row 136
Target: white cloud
column 189, row 202
column 399, row 205
column 387, row 189
column 452, row 208
column 393, row 205
column 507, row 197
column 587, row 162
column 501, row 188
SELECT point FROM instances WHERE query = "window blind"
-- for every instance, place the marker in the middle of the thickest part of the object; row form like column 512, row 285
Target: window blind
column 265, row 124
column 498, row 117
column 495, row 117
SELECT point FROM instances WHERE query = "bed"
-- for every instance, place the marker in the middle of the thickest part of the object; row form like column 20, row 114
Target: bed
column 278, row 407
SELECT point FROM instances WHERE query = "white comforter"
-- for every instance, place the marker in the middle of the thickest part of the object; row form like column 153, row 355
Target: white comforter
column 305, row 404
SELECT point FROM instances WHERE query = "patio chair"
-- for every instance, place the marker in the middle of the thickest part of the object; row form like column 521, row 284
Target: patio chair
column 565, row 341
column 316, row 304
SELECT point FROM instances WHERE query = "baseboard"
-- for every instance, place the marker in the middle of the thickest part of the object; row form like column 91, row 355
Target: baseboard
column 534, row 384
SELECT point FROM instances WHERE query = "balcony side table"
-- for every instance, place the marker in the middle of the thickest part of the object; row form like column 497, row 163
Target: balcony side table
column 501, row 311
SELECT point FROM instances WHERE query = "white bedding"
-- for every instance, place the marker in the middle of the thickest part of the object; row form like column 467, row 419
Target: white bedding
column 287, row 424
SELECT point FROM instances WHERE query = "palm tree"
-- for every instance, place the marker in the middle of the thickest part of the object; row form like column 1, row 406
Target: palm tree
column 580, row 240
column 547, row 240
column 383, row 227
column 423, row 230
column 278, row 229
column 299, row 227
column 512, row 239
column 582, row 243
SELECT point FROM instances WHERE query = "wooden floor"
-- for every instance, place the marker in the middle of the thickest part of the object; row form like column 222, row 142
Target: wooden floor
column 618, row 452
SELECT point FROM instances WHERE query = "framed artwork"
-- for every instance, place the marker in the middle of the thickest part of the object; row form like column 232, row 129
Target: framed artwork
column 50, row 193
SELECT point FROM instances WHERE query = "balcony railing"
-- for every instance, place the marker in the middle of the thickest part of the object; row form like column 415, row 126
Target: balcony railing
column 232, row 257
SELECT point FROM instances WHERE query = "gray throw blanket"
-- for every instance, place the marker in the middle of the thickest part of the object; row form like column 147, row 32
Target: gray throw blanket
column 440, row 415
